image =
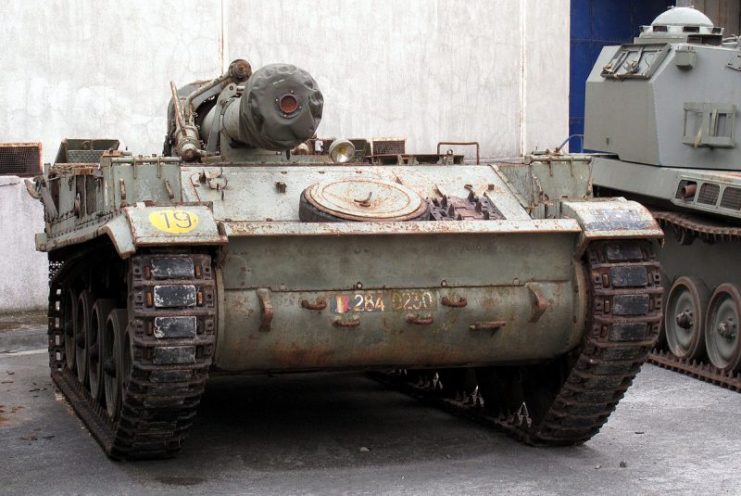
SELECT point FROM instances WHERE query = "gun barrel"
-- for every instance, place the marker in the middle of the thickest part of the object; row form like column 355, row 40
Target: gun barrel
column 280, row 108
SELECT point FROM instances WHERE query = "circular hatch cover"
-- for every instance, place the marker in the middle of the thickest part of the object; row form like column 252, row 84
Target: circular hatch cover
column 361, row 199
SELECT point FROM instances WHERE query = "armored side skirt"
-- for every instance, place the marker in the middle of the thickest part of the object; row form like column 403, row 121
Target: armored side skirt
column 298, row 296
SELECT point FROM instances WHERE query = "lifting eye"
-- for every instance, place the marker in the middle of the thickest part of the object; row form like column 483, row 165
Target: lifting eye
column 288, row 104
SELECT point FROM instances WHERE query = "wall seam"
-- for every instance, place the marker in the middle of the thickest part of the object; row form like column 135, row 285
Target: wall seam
column 222, row 41
column 523, row 77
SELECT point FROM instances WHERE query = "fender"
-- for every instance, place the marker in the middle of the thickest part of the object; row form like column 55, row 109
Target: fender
column 611, row 218
column 147, row 226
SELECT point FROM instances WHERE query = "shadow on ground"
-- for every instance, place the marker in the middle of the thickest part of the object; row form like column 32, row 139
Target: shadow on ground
column 322, row 421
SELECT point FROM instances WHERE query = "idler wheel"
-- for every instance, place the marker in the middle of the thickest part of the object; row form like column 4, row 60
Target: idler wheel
column 685, row 317
column 722, row 328
column 361, row 200
column 112, row 360
column 96, row 326
column 69, row 317
column 84, row 307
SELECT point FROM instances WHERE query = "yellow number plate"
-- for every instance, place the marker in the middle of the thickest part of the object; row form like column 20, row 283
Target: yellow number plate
column 174, row 221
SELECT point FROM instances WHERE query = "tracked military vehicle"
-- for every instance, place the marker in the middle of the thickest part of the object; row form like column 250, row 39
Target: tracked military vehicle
column 666, row 108
column 252, row 247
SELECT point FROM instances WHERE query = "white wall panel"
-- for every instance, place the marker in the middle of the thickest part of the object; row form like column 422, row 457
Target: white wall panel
column 489, row 70
column 547, row 67
column 100, row 68
column 425, row 70
column 24, row 281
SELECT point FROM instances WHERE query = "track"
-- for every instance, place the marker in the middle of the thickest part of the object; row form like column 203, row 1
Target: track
column 171, row 330
column 698, row 370
column 689, row 225
column 567, row 401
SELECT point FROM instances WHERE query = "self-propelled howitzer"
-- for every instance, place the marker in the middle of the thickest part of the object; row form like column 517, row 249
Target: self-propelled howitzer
column 665, row 110
column 503, row 288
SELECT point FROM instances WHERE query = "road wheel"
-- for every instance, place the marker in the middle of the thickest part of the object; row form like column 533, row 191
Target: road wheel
column 126, row 360
column 69, row 313
column 722, row 328
column 96, row 325
column 112, row 360
column 685, row 316
column 84, row 305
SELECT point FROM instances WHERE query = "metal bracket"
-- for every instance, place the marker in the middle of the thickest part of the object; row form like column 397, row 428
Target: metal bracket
column 493, row 325
column 456, row 302
column 419, row 319
column 50, row 208
column 266, row 306
column 346, row 324
column 540, row 302
column 462, row 143
column 319, row 304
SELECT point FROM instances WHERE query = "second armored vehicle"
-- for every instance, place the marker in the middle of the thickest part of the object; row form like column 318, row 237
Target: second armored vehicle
column 666, row 110
column 245, row 250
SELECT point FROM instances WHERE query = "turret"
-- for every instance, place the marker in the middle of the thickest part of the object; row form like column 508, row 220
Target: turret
column 276, row 108
column 671, row 98
column 681, row 25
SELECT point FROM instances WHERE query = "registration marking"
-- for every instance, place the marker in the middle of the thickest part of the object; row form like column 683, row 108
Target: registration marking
column 382, row 301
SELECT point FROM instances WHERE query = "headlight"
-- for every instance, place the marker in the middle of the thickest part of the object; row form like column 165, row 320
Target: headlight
column 341, row 151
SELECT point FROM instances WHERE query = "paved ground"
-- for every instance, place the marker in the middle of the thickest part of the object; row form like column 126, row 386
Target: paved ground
column 344, row 434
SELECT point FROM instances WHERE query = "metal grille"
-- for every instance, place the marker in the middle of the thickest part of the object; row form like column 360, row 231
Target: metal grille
column 708, row 194
column 84, row 156
column 362, row 149
column 20, row 159
column 83, row 151
column 731, row 198
column 389, row 147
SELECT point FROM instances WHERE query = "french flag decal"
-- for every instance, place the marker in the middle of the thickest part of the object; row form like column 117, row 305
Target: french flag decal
column 342, row 303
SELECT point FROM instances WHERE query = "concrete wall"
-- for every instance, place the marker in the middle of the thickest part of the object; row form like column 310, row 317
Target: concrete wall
column 100, row 68
column 495, row 71
column 489, row 70
column 23, row 271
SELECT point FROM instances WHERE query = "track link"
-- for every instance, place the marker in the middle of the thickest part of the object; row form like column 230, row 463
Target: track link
column 171, row 328
column 625, row 302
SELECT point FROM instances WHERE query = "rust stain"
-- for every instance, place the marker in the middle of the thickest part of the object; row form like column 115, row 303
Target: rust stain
column 550, row 226
column 293, row 356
